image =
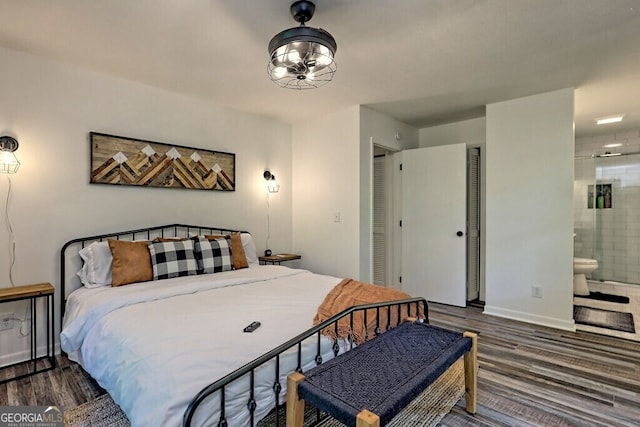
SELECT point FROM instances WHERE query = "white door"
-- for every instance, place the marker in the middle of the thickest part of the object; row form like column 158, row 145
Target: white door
column 434, row 223
column 473, row 228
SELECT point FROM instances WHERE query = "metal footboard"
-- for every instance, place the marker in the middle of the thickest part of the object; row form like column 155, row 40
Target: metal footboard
column 415, row 307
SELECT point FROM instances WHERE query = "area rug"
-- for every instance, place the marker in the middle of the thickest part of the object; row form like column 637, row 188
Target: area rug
column 604, row 318
column 607, row 297
column 425, row 411
column 99, row 412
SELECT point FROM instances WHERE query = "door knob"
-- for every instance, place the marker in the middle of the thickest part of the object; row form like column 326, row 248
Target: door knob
column 459, row 234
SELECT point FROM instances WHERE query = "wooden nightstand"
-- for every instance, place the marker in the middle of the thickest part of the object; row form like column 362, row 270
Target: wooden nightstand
column 32, row 293
column 278, row 258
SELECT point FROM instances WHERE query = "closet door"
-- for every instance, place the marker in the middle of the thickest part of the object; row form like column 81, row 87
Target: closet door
column 473, row 230
column 379, row 222
column 434, row 223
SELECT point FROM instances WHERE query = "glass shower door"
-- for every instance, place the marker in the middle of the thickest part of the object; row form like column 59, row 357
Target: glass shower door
column 614, row 200
column 584, row 221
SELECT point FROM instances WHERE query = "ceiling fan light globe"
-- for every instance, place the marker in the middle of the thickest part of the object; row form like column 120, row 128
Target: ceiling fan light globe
column 279, row 72
column 293, row 56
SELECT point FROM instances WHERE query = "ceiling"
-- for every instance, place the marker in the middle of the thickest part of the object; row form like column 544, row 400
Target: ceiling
column 423, row 62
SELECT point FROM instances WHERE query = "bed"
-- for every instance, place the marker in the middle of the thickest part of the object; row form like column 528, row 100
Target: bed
column 173, row 352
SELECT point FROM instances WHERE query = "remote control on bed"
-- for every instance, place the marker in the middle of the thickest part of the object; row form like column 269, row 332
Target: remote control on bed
column 252, row 327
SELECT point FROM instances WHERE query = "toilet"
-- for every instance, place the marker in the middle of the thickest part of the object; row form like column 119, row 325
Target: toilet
column 582, row 267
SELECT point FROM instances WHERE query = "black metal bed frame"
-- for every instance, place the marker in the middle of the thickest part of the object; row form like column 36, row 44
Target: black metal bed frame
column 182, row 230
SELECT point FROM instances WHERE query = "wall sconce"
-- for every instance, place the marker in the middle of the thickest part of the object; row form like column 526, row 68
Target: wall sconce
column 272, row 184
column 8, row 161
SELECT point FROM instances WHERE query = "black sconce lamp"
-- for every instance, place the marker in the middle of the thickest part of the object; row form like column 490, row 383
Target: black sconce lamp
column 272, row 184
column 8, row 161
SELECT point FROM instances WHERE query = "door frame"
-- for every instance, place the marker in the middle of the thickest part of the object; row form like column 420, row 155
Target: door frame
column 396, row 213
column 392, row 256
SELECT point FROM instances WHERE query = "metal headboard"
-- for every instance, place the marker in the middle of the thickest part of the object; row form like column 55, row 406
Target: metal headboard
column 149, row 233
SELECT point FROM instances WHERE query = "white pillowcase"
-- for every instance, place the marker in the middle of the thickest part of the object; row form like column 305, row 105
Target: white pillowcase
column 249, row 247
column 96, row 270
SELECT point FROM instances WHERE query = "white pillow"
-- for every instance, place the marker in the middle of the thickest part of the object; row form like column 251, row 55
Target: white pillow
column 249, row 247
column 96, row 270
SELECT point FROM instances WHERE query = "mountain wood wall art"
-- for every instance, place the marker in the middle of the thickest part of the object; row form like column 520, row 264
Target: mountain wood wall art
column 119, row 160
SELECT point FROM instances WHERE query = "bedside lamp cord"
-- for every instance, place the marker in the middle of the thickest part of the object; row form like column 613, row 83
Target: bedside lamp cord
column 23, row 330
column 268, row 223
column 10, row 227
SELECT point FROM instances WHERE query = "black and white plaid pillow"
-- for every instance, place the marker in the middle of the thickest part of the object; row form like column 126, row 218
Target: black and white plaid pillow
column 173, row 259
column 214, row 256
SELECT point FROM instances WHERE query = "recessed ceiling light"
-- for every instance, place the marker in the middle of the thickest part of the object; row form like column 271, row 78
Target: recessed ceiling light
column 610, row 119
column 616, row 144
column 610, row 154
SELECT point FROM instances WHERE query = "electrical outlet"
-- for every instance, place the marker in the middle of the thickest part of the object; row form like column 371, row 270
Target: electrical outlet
column 536, row 291
column 6, row 321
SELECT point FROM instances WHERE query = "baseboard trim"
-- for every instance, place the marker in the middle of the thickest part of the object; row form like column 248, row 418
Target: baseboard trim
column 22, row 356
column 551, row 322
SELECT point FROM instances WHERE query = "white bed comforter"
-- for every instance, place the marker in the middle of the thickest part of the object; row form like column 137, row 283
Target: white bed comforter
column 153, row 346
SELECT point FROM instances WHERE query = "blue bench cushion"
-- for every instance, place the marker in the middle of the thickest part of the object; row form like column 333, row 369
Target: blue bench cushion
column 384, row 374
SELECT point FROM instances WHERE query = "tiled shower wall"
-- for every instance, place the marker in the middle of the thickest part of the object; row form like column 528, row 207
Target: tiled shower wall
column 610, row 235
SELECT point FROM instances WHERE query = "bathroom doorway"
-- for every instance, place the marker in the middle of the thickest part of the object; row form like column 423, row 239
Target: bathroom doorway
column 606, row 205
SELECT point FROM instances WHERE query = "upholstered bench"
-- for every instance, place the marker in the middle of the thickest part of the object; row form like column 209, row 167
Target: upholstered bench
column 369, row 385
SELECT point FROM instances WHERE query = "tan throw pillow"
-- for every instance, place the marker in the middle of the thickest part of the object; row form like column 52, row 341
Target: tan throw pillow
column 237, row 250
column 131, row 262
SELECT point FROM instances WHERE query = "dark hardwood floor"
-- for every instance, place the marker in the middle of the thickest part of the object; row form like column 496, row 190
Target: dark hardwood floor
column 536, row 376
column 67, row 385
column 529, row 376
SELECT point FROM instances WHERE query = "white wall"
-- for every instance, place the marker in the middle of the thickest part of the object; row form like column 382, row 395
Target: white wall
column 332, row 173
column 385, row 131
column 529, row 178
column 50, row 108
column 326, row 180
column 472, row 132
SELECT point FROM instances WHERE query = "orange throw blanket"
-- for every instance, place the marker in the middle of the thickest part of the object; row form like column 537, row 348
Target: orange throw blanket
column 351, row 292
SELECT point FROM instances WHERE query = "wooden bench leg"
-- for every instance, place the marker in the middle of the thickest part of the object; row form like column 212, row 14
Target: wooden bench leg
column 295, row 405
column 471, row 373
column 367, row 418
